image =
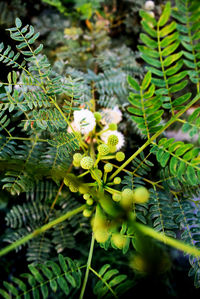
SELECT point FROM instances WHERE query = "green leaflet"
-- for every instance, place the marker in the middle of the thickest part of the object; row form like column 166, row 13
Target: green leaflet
column 133, row 83
column 165, row 15
column 43, row 277
column 181, row 159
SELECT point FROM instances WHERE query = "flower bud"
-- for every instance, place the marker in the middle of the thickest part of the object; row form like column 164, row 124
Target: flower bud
column 120, row 156
column 87, row 162
column 103, row 149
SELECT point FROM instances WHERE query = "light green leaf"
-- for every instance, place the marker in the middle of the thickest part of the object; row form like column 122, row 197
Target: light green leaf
column 172, row 58
column 165, row 15
column 178, row 87
column 18, row 23
column 146, row 81
column 132, row 82
column 148, row 41
column 168, row 29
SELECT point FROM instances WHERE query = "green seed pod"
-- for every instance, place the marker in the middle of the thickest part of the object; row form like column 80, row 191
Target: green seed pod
column 120, row 156
column 112, row 127
column 113, row 140
column 117, row 180
column 99, row 221
column 86, row 196
column 77, row 157
column 103, row 149
column 140, row 195
column 108, row 167
column 127, row 199
column 97, row 116
column 87, row 162
column 118, row 240
column 87, row 213
column 116, row 197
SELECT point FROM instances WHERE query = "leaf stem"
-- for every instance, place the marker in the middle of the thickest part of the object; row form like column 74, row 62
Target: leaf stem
column 88, row 267
column 167, row 240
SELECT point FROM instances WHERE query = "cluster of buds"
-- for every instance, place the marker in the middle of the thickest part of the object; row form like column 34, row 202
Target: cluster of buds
column 105, row 204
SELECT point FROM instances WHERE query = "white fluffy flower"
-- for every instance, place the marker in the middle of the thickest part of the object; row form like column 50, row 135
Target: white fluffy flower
column 111, row 115
column 84, row 121
column 105, row 135
column 149, row 5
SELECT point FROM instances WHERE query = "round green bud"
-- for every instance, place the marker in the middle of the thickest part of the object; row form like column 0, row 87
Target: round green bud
column 73, row 187
column 86, row 196
column 108, row 167
column 117, row 180
column 90, row 202
column 97, row 116
column 77, row 157
column 112, row 127
column 118, row 240
column 113, row 140
column 87, row 162
column 87, row 213
column 140, row 195
column 120, row 156
column 103, row 149
column 116, row 197
column 112, row 149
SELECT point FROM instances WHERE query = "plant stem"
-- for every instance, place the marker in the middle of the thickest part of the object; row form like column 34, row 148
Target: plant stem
column 41, row 230
column 167, row 240
column 88, row 267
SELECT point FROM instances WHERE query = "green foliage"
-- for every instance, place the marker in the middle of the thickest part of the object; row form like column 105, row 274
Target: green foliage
column 44, row 279
column 48, row 105
column 111, row 283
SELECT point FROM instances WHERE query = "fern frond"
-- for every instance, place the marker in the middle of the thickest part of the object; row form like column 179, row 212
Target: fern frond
column 183, row 159
column 146, row 110
column 164, row 60
column 187, row 217
column 42, row 279
column 161, row 212
column 65, row 143
column 111, row 283
column 187, row 14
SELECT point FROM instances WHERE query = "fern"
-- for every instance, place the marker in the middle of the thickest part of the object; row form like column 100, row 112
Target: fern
column 187, row 217
column 183, row 159
column 187, row 14
column 160, row 212
column 164, row 59
column 111, row 283
column 44, row 279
